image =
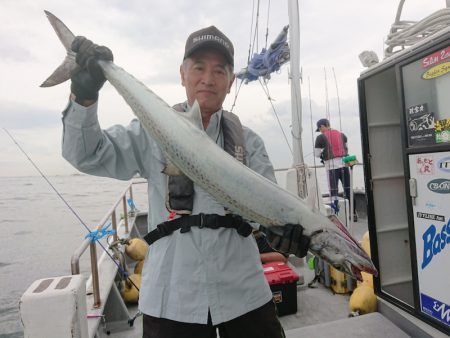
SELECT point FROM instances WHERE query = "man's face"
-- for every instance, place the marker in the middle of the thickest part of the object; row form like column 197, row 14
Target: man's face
column 207, row 78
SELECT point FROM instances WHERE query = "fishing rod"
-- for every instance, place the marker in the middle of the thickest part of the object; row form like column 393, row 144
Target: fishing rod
column 327, row 103
column 265, row 88
column 338, row 100
column 91, row 233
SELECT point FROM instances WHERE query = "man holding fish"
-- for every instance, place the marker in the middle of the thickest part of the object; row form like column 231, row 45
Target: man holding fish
column 202, row 271
column 207, row 275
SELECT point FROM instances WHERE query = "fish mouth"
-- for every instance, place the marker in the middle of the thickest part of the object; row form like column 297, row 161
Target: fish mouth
column 356, row 273
column 365, row 263
column 360, row 262
column 370, row 269
column 358, row 259
column 355, row 269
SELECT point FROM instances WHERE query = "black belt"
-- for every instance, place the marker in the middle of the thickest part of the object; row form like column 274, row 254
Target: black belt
column 202, row 221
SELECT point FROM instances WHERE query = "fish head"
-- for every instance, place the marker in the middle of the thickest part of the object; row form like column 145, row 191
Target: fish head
column 342, row 253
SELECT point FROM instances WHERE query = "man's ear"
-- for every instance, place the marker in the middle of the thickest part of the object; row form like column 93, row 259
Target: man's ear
column 182, row 75
column 231, row 82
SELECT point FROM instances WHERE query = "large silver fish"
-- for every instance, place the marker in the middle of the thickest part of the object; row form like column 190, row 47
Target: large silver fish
column 243, row 191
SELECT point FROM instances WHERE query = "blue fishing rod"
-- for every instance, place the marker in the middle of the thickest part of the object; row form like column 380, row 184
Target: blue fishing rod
column 94, row 235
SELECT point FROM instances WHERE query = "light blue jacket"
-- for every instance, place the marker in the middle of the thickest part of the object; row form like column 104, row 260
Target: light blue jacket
column 184, row 275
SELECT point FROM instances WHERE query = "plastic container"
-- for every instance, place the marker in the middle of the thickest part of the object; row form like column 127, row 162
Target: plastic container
column 340, row 282
column 283, row 283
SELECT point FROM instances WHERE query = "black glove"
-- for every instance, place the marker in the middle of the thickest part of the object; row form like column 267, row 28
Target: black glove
column 87, row 82
column 289, row 239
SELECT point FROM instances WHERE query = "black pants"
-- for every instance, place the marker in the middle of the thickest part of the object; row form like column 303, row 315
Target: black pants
column 336, row 175
column 260, row 323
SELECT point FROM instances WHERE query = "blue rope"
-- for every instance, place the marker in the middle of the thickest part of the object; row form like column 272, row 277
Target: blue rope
column 99, row 234
column 269, row 60
column 131, row 204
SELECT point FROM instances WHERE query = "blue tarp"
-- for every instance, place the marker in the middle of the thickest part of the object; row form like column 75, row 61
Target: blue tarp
column 269, row 60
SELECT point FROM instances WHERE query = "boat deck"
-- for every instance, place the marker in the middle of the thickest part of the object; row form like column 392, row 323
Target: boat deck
column 316, row 305
column 372, row 325
column 320, row 312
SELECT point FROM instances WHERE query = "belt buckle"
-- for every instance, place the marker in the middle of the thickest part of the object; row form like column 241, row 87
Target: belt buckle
column 202, row 220
column 185, row 228
column 242, row 227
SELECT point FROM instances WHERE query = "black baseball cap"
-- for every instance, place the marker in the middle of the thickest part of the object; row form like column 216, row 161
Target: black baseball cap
column 322, row 122
column 210, row 37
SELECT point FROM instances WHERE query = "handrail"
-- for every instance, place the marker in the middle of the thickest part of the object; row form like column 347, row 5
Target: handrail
column 111, row 214
column 317, row 166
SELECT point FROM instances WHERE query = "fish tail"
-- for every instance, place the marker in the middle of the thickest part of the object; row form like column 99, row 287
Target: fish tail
column 68, row 67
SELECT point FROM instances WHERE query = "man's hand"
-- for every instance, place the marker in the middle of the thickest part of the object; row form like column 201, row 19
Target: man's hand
column 87, row 82
column 289, row 239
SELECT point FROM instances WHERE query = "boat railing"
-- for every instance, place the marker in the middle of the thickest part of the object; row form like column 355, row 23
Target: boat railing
column 110, row 216
column 320, row 171
column 311, row 166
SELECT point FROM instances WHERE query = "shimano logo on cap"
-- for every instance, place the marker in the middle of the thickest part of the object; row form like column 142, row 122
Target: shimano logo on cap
column 209, row 37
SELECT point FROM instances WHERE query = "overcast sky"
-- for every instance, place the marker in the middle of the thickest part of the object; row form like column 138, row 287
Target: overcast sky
column 147, row 39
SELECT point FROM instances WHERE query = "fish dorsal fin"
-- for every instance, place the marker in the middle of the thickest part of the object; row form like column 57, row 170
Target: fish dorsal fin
column 194, row 115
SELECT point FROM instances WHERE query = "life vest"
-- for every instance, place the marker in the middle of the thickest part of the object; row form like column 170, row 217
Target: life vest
column 336, row 146
column 180, row 190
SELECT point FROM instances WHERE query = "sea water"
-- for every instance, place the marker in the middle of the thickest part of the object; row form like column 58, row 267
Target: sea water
column 39, row 232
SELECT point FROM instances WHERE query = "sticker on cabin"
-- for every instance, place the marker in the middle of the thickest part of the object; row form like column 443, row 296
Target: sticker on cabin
column 432, row 217
column 436, row 57
column 435, row 243
column 430, row 205
column 439, row 186
column 444, row 164
column 420, row 125
column 425, row 165
column 435, row 308
column 437, row 71
column 442, row 130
